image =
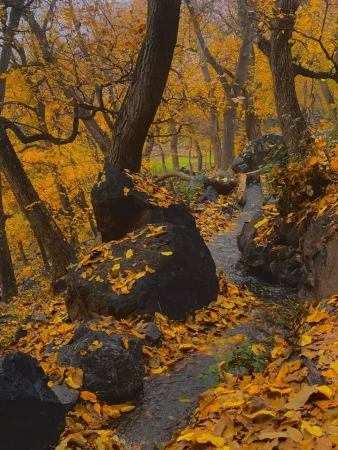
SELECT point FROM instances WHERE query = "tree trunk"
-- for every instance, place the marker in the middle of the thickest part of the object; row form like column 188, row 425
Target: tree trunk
column 229, row 131
column 252, row 122
column 22, row 252
column 149, row 149
column 294, row 128
column 147, row 86
column 199, row 156
column 7, row 276
column 59, row 252
column 82, row 202
column 173, row 145
column 214, row 137
column 68, row 212
column 329, row 98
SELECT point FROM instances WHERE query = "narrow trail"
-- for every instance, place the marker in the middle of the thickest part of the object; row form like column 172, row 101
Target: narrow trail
column 169, row 399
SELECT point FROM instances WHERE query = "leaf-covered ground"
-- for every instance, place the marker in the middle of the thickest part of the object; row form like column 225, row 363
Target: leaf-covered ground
column 88, row 424
column 293, row 404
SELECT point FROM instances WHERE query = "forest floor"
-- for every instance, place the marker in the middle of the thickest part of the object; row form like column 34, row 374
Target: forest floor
column 259, row 404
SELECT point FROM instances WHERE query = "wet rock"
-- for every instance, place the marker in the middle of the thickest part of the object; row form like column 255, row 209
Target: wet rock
column 210, row 194
column 20, row 333
column 239, row 165
column 8, row 318
column 67, row 396
column 252, row 254
column 279, row 261
column 180, row 282
column 151, row 332
column 58, row 286
column 320, row 255
column 118, row 214
column 267, row 147
column 28, row 283
column 294, row 278
column 31, row 415
column 34, row 317
column 112, row 371
column 223, row 183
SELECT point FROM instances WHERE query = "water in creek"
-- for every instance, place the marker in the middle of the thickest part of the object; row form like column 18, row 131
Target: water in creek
column 169, row 399
column 228, row 258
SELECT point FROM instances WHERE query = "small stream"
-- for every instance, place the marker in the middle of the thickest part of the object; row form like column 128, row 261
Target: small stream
column 227, row 257
column 169, row 399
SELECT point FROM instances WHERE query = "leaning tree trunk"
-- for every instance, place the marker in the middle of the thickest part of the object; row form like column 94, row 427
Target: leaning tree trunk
column 294, row 128
column 147, row 86
column 7, row 276
column 60, row 253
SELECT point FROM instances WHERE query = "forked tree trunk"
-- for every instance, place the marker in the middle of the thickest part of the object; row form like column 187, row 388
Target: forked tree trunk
column 147, row 85
column 60, row 253
column 294, row 128
column 7, row 276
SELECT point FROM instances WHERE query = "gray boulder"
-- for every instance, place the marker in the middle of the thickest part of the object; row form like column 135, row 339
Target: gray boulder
column 67, row 396
column 113, row 371
column 239, row 165
column 209, row 195
column 31, row 415
column 269, row 146
column 120, row 209
column 152, row 334
column 171, row 272
column 320, row 256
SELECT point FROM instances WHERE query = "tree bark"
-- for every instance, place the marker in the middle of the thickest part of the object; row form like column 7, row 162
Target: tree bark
column 199, row 156
column 147, row 86
column 214, row 137
column 7, row 276
column 59, row 252
column 82, row 202
column 173, row 145
column 149, row 148
column 67, row 211
column 229, row 131
column 294, row 128
column 329, row 99
column 252, row 122
column 22, row 252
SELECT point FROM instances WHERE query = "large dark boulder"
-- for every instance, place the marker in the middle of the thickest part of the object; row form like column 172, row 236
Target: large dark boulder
column 256, row 153
column 120, row 208
column 223, row 182
column 171, row 272
column 320, row 257
column 113, row 371
column 31, row 415
column 280, row 260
